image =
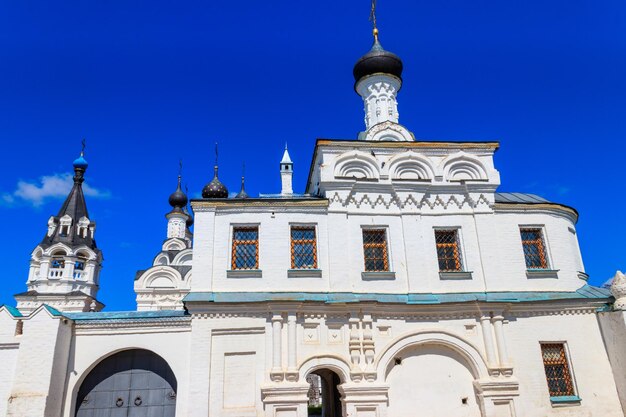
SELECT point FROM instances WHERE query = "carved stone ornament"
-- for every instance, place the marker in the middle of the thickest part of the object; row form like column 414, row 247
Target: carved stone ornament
column 389, row 131
column 618, row 289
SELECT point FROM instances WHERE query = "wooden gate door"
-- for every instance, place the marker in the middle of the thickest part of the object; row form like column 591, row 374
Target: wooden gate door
column 132, row 383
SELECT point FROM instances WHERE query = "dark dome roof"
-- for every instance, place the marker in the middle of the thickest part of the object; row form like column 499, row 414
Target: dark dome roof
column 178, row 199
column 189, row 221
column 377, row 61
column 215, row 189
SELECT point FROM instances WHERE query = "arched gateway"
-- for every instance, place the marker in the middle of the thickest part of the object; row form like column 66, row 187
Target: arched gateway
column 131, row 383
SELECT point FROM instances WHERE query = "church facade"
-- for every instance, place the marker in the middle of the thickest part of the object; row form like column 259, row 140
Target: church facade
column 401, row 277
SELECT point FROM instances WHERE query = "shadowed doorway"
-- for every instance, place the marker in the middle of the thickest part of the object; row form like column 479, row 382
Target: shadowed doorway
column 324, row 397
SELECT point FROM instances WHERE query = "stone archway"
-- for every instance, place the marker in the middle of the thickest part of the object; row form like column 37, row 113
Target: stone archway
column 330, row 398
column 130, row 383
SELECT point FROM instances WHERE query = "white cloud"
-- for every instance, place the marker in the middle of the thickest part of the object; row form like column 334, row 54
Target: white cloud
column 48, row 187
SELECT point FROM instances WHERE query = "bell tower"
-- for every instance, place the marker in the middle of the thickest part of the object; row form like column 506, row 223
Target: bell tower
column 65, row 266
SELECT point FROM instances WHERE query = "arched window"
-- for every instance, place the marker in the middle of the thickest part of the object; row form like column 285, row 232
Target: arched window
column 57, row 264
column 79, row 266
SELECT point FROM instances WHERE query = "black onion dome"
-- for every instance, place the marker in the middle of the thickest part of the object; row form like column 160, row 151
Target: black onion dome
column 215, row 189
column 377, row 61
column 189, row 221
column 178, row 199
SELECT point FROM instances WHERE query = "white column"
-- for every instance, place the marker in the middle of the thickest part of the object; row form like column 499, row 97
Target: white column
column 500, row 343
column 292, row 365
column 277, row 329
column 485, row 323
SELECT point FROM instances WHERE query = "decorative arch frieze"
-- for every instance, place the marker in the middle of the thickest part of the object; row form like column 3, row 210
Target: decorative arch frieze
column 463, row 167
column 174, row 244
column 56, row 248
column 356, row 165
column 160, row 277
column 410, row 166
column 184, row 257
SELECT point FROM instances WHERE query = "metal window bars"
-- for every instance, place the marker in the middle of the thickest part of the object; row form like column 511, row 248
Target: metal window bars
column 375, row 250
column 303, row 247
column 245, row 254
column 557, row 370
column 448, row 252
column 534, row 248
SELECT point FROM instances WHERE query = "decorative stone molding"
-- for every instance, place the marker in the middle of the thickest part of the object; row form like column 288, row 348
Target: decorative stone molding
column 424, row 202
column 388, row 131
column 618, row 289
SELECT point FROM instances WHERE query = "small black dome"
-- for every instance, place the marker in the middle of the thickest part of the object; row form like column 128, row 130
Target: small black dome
column 178, row 199
column 189, row 221
column 377, row 61
column 215, row 189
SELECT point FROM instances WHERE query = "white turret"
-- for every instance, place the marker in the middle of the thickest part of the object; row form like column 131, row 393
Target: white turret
column 65, row 266
column 377, row 79
column 286, row 173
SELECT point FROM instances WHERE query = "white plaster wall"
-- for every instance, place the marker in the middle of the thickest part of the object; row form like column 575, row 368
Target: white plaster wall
column 274, row 252
column 8, row 358
column 613, row 327
column 588, row 360
column 238, row 339
column 41, row 364
column 490, row 244
column 434, row 380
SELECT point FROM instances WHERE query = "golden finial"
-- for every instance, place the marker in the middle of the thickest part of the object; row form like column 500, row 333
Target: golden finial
column 373, row 20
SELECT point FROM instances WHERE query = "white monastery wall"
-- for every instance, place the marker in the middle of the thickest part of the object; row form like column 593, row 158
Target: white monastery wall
column 9, row 348
column 490, row 244
column 613, row 328
column 95, row 342
column 41, row 366
column 587, row 358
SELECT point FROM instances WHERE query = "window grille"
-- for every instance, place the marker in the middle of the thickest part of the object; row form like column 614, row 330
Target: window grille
column 557, row 370
column 448, row 251
column 245, row 248
column 375, row 250
column 303, row 248
column 534, row 248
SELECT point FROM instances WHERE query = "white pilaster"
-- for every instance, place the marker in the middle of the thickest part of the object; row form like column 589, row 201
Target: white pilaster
column 276, row 374
column 485, row 323
column 292, row 365
column 500, row 342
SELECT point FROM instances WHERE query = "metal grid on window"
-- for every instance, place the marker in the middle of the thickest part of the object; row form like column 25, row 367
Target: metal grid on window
column 303, row 247
column 375, row 250
column 448, row 251
column 245, row 248
column 557, row 370
column 534, row 248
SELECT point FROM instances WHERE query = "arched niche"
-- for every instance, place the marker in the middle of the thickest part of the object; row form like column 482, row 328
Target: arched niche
column 159, row 277
column 464, row 168
column 410, row 166
column 356, row 165
column 437, row 377
column 184, row 257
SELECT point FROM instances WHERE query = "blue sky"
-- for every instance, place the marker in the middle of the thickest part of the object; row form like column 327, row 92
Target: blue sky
column 149, row 82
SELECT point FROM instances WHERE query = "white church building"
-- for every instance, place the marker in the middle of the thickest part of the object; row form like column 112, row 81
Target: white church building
column 401, row 277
